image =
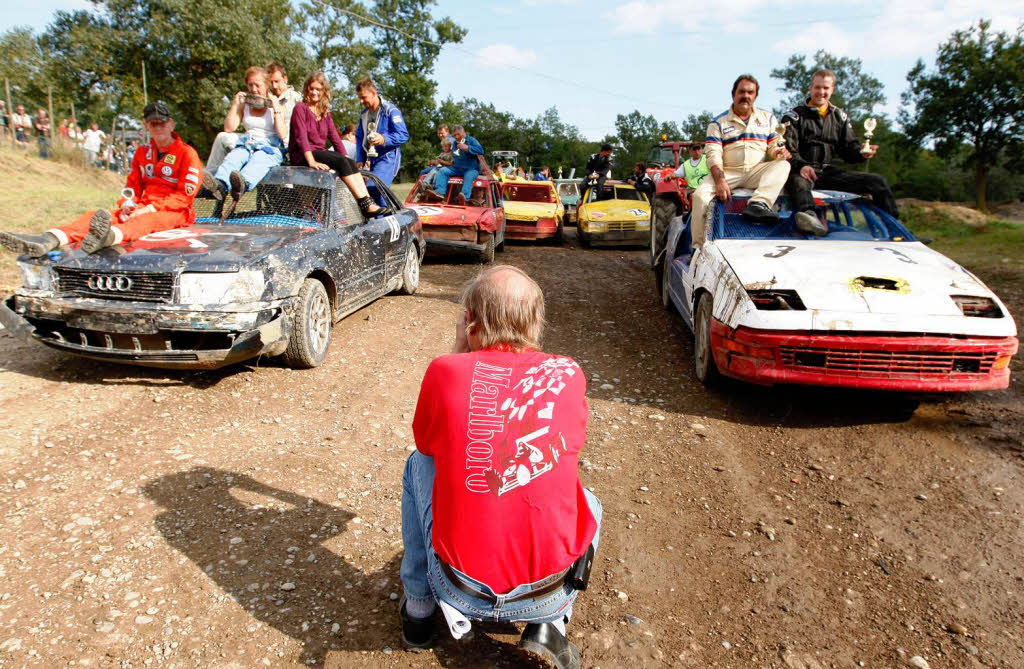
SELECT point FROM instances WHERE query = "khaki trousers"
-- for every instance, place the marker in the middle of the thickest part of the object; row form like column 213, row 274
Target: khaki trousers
column 766, row 179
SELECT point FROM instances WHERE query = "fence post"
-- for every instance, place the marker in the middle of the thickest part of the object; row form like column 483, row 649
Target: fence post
column 10, row 110
column 49, row 110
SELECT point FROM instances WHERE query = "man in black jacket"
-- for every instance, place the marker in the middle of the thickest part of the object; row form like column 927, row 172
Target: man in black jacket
column 818, row 133
column 600, row 163
column 642, row 181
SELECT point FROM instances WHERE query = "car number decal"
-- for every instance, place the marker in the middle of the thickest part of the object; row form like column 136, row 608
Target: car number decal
column 781, row 251
column 899, row 254
column 393, row 227
column 189, row 235
column 428, row 211
column 638, row 212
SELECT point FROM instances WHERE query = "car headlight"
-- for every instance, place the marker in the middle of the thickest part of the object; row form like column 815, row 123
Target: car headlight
column 35, row 277
column 644, row 224
column 597, row 225
column 220, row 287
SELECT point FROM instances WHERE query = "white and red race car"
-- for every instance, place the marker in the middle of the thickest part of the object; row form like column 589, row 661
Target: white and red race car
column 865, row 306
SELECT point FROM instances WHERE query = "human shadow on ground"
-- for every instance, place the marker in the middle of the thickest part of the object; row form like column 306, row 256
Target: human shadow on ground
column 265, row 547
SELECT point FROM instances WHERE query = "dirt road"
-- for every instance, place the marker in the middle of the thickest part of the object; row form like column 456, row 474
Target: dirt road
column 250, row 516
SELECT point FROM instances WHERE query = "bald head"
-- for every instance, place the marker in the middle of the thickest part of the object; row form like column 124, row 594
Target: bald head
column 505, row 307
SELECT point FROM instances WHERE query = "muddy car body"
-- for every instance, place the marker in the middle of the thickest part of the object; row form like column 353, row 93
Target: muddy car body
column 295, row 257
column 865, row 306
column 477, row 226
column 618, row 214
column 532, row 210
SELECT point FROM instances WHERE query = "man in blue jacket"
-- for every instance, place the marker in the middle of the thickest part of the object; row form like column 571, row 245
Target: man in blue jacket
column 467, row 165
column 387, row 137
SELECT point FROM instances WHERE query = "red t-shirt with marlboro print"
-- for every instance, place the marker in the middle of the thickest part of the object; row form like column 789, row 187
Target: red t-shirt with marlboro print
column 505, row 430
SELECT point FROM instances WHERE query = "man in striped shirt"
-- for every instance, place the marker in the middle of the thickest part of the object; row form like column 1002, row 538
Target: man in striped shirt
column 737, row 142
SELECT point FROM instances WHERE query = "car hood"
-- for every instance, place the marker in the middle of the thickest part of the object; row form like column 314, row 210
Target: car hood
column 199, row 248
column 627, row 209
column 530, row 210
column 447, row 214
column 904, row 278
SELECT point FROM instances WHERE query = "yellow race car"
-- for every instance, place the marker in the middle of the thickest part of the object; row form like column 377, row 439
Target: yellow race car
column 617, row 213
column 532, row 210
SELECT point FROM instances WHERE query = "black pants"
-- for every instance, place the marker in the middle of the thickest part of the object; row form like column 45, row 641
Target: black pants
column 600, row 183
column 339, row 162
column 831, row 178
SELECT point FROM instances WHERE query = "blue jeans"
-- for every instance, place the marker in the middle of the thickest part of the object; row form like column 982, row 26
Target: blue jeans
column 421, row 572
column 251, row 161
column 44, row 146
column 445, row 173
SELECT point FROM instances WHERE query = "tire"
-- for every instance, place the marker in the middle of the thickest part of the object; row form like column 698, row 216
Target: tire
column 584, row 240
column 663, row 284
column 487, row 255
column 500, row 248
column 411, row 271
column 662, row 212
column 311, row 327
column 703, row 358
column 559, row 233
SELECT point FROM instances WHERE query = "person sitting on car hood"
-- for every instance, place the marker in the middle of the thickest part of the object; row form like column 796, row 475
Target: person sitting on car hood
column 164, row 179
column 466, row 165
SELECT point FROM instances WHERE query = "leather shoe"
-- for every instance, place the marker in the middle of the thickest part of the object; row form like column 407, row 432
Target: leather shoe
column 417, row 633
column 543, row 640
column 759, row 212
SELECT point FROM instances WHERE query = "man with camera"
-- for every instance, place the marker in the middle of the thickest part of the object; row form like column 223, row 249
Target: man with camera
column 495, row 522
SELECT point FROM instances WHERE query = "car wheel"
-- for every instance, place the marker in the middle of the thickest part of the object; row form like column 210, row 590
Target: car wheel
column 500, row 248
column 661, row 215
column 703, row 357
column 584, row 240
column 411, row 271
column 311, row 327
column 487, row 255
column 559, row 233
column 666, row 279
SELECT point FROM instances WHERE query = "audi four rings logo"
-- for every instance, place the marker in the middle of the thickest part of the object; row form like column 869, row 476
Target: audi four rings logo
column 113, row 282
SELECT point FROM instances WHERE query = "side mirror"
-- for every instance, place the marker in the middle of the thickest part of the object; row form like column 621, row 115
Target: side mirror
column 927, row 241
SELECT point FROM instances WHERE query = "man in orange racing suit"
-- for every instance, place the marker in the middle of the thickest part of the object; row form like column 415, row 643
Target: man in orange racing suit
column 164, row 179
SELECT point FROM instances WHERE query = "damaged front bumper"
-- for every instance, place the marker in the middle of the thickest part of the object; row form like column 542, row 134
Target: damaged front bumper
column 142, row 333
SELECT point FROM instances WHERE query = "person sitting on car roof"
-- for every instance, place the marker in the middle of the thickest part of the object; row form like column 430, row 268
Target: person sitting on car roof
column 466, row 165
column 598, row 167
column 738, row 141
column 820, row 132
column 312, row 127
column 163, row 180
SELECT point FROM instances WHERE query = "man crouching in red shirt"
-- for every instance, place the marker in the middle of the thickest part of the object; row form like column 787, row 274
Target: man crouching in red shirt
column 164, row 179
column 495, row 521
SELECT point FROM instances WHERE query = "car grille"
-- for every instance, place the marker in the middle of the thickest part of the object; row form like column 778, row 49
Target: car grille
column 145, row 286
column 875, row 363
column 621, row 226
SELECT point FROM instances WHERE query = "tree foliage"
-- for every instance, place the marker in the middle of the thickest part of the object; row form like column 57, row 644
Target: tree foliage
column 857, row 92
column 973, row 99
column 695, row 127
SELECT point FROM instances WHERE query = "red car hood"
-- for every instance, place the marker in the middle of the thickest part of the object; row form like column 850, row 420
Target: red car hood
column 451, row 214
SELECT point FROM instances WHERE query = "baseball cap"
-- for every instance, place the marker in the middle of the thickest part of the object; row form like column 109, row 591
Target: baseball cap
column 156, row 111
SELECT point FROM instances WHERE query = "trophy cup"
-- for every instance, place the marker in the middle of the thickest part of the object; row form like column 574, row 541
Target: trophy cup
column 780, row 130
column 869, row 132
column 371, row 130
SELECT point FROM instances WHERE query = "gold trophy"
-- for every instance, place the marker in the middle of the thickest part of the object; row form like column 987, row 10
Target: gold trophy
column 780, row 130
column 371, row 130
column 869, row 132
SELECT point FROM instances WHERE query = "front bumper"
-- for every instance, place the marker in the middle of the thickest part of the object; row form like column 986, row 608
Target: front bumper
column 611, row 236
column 141, row 333
column 927, row 363
column 542, row 228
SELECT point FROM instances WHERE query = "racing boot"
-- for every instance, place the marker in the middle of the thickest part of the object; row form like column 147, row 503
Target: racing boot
column 33, row 245
column 543, row 640
column 807, row 222
column 100, row 234
column 237, row 184
column 216, row 188
column 761, row 213
column 369, row 209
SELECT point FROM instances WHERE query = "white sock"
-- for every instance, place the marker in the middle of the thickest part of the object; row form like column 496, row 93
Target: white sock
column 60, row 235
column 417, row 609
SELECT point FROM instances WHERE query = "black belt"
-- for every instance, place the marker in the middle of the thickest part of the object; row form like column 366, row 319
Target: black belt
column 542, row 588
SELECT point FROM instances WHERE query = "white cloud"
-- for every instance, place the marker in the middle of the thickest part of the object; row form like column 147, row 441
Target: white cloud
column 832, row 38
column 497, row 55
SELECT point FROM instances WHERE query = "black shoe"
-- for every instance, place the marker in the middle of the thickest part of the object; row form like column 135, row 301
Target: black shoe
column 33, row 245
column 460, row 200
column 759, row 212
column 417, row 633
column 215, row 188
column 369, row 209
column 100, row 235
column 237, row 184
column 546, row 642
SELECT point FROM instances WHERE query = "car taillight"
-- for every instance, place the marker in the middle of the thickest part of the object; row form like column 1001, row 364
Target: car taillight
column 776, row 300
column 977, row 307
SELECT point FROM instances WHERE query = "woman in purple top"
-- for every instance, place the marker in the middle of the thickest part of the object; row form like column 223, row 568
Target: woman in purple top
column 311, row 128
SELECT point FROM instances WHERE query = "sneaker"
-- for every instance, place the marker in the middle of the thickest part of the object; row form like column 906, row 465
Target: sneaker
column 33, row 245
column 759, row 212
column 211, row 184
column 807, row 222
column 417, row 633
column 100, row 235
column 547, row 643
column 237, row 184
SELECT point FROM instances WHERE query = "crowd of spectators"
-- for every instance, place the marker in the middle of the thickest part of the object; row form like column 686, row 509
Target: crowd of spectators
column 95, row 147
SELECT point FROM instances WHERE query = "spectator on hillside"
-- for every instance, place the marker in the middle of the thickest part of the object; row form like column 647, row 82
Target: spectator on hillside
column 5, row 121
column 312, row 127
column 22, row 124
column 465, row 165
column 260, row 149
column 41, row 125
column 348, row 140
column 93, row 139
column 62, row 129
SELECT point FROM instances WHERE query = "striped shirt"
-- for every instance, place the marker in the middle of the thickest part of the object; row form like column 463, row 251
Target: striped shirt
column 735, row 144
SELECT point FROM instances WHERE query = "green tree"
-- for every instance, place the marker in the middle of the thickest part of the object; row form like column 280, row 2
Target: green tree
column 695, row 127
column 635, row 134
column 857, row 92
column 973, row 99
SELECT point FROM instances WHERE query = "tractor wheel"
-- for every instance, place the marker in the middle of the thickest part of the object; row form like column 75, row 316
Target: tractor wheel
column 662, row 213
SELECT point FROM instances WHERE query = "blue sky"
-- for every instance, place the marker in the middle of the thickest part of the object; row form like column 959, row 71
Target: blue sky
column 594, row 59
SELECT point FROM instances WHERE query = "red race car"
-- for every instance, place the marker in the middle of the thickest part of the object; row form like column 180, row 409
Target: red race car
column 477, row 226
